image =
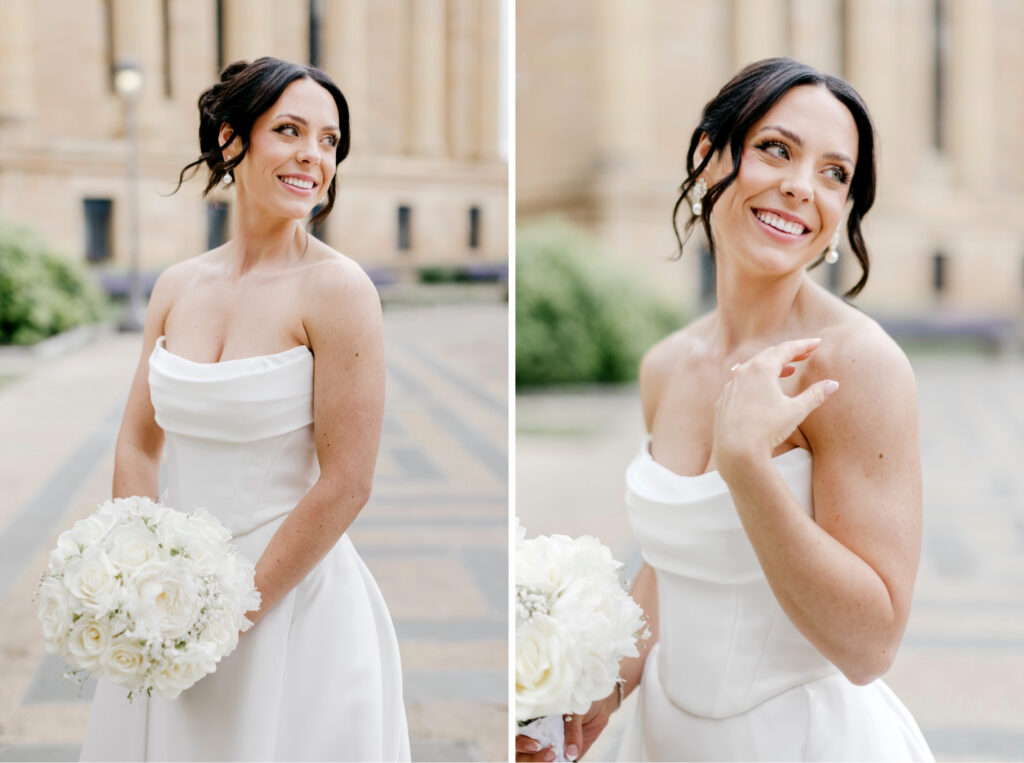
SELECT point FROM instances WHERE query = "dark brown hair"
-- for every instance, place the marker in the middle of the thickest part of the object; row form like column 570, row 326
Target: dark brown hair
column 244, row 92
column 728, row 117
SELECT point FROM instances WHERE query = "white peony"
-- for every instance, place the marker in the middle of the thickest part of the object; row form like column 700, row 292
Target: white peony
column 92, row 529
column 221, row 630
column 167, row 595
column 187, row 666
column 131, row 547
column 92, row 579
column 547, row 669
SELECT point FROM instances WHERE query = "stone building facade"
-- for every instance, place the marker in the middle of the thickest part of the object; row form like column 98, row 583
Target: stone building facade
column 426, row 180
column 608, row 92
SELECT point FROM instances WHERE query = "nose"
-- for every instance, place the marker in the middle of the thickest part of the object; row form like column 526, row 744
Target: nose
column 796, row 184
column 308, row 152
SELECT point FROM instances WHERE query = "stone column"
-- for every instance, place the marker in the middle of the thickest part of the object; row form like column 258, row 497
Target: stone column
column 625, row 82
column 759, row 30
column 137, row 37
column 815, row 31
column 15, row 60
column 490, row 85
column 346, row 59
column 972, row 92
column 248, row 29
column 463, row 55
column 872, row 64
column 427, row 31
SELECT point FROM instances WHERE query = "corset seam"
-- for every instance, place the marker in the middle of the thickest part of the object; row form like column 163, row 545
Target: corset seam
column 764, row 650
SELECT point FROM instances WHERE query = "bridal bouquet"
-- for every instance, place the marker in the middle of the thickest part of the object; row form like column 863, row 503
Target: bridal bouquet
column 574, row 623
column 145, row 596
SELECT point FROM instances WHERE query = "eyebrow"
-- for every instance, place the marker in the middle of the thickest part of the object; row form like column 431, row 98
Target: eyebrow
column 799, row 142
column 302, row 121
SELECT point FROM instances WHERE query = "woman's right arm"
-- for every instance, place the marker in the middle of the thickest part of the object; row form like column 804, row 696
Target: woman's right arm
column 140, row 440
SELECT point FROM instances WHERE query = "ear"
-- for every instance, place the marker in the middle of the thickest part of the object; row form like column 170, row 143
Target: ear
column 703, row 147
column 225, row 137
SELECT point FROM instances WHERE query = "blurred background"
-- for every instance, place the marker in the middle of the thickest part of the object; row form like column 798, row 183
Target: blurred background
column 97, row 117
column 607, row 95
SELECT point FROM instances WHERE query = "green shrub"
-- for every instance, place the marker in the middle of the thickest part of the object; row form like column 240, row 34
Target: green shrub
column 41, row 292
column 581, row 315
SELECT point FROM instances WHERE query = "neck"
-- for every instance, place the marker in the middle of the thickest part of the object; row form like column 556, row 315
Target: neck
column 259, row 239
column 756, row 309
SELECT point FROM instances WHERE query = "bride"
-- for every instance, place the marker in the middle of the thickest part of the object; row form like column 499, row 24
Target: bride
column 262, row 376
column 777, row 496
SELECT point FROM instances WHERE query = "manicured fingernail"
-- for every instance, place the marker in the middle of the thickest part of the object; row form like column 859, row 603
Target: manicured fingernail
column 571, row 751
column 549, row 755
column 831, row 386
column 533, row 745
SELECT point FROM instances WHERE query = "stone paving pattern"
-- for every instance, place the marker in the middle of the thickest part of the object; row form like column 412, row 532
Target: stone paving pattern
column 435, row 533
column 960, row 670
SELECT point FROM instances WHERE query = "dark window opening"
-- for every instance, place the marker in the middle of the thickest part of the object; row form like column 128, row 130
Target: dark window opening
column 216, row 223
column 939, row 274
column 474, row 227
column 316, row 20
column 220, row 35
column 404, row 226
column 98, row 213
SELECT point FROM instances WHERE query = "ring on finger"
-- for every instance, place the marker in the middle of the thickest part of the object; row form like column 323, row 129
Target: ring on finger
column 734, row 367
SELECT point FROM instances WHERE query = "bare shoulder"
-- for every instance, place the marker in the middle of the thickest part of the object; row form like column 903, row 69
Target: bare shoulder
column 877, row 389
column 664, row 358
column 340, row 296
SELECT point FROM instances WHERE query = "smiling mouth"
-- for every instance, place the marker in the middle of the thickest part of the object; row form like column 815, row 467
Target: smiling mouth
column 776, row 223
column 297, row 183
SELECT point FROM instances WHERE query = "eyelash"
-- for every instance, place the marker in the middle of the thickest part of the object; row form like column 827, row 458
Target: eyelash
column 842, row 177
column 282, row 128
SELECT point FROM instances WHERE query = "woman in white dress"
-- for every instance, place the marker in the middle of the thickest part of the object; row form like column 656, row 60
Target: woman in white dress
column 262, row 378
column 777, row 496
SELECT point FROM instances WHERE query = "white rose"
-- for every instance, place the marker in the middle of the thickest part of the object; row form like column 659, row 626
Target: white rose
column 92, row 579
column 132, row 547
column 221, row 630
column 92, row 529
column 55, row 612
column 183, row 669
column 87, row 642
column 166, row 598
column 547, row 669
column 124, row 662
column 205, row 557
column 67, row 548
column 209, row 527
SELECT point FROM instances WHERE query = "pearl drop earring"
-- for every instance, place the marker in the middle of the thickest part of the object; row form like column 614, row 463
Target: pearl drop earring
column 700, row 189
column 832, row 255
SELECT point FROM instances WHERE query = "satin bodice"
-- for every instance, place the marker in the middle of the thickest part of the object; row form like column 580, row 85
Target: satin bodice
column 239, row 433
column 725, row 643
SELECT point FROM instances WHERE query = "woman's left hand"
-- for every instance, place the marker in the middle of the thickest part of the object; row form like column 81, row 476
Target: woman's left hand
column 753, row 416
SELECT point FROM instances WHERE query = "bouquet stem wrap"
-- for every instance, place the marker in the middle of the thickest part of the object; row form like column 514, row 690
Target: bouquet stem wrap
column 550, row 732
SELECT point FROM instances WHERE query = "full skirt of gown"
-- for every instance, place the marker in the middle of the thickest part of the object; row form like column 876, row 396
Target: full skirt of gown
column 319, row 677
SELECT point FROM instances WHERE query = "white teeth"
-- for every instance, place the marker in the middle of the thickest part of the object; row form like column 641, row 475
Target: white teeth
column 777, row 222
column 307, row 184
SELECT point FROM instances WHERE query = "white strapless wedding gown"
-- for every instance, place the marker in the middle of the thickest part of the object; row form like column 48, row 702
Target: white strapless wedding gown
column 731, row 677
column 318, row 678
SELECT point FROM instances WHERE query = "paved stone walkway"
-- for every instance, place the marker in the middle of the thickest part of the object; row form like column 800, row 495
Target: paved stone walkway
column 961, row 667
column 434, row 534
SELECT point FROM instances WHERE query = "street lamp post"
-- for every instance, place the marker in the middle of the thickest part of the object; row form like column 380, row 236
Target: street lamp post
column 128, row 82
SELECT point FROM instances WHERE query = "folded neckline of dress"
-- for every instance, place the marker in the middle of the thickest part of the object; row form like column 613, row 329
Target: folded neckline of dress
column 161, row 345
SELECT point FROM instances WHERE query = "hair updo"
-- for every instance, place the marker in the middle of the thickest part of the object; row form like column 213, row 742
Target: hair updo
column 728, row 117
column 244, row 92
